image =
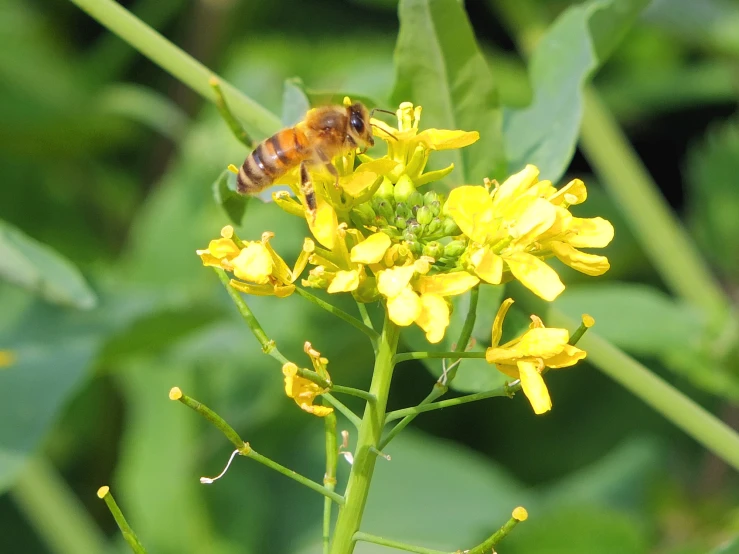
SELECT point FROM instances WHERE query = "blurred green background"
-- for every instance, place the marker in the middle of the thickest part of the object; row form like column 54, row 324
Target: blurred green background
column 109, row 161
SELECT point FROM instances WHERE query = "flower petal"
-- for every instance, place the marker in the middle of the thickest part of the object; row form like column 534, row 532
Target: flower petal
column 344, row 281
column 498, row 322
column 404, row 308
column 391, row 282
column 223, row 248
column 325, row 224
column 515, row 186
column 371, row 250
column 535, row 275
column 534, row 387
column 472, row 210
column 253, row 264
column 589, row 264
column 568, row 357
column 488, row 265
column 442, row 139
column 446, row 284
column 534, row 343
column 572, row 193
column 434, row 317
column 594, row 232
column 538, row 217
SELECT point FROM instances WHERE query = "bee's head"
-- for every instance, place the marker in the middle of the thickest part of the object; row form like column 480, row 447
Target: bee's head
column 360, row 130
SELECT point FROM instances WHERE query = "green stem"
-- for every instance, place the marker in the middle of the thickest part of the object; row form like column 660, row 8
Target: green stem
column 210, row 415
column 250, row 453
column 341, row 314
column 345, row 411
column 329, row 479
column 128, row 534
column 176, row 62
column 374, row 539
column 364, row 395
column 655, row 225
column 405, row 356
column 366, row 319
column 488, row 545
column 368, row 438
column 671, row 403
column 415, row 410
column 52, row 509
column 441, row 388
column 268, row 346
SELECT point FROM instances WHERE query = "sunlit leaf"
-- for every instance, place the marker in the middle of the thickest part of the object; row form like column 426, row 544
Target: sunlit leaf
column 36, row 267
column 577, row 43
column 227, row 197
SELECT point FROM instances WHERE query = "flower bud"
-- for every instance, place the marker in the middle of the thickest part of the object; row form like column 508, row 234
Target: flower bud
column 424, row 215
column 364, row 213
column 430, row 197
column 380, row 221
column 403, row 210
column 392, row 232
column 403, row 189
column 450, row 228
column 400, row 222
column 385, row 190
column 413, row 227
column 414, row 246
column 433, row 227
column 435, row 207
column 455, row 249
column 415, row 200
column 433, row 249
column 385, row 210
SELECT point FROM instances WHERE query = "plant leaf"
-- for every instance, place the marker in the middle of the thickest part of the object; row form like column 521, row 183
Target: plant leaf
column 439, row 66
column 28, row 263
column 226, row 196
column 577, row 43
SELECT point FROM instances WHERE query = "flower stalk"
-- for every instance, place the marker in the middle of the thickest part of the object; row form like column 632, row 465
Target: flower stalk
column 128, row 534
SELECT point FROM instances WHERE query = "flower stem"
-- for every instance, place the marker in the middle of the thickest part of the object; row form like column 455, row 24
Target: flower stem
column 663, row 397
column 176, row 62
column 176, row 394
column 366, row 319
column 415, row 410
column 488, row 545
column 345, row 411
column 405, row 356
column 366, row 537
column 329, row 479
column 341, row 314
column 441, row 388
column 126, row 531
column 268, row 346
column 368, row 438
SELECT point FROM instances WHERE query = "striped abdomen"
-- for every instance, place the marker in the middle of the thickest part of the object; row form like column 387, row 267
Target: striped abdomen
column 272, row 159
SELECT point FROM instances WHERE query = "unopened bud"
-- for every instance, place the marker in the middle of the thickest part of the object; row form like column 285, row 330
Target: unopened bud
column 450, row 228
column 402, row 210
column 364, row 213
column 403, row 188
column 433, row 227
column 454, row 249
column 386, row 189
column 414, row 246
column 433, row 249
column 424, row 215
column 390, row 231
column 416, row 199
column 400, row 222
column 430, row 197
column 413, row 227
column 385, row 210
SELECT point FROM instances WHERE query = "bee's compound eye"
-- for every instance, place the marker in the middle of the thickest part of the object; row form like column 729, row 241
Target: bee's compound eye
column 357, row 123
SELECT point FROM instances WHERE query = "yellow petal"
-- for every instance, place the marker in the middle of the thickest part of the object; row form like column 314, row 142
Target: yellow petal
column 344, row 281
column 534, row 387
column 594, row 232
column 498, row 322
column 515, row 186
column 357, row 183
column 538, row 217
column 568, row 357
column 572, row 193
column 371, row 250
column 434, row 317
column 254, row 290
column 223, row 248
column 441, row 139
column 325, row 225
column 280, row 270
column 538, row 343
column 208, row 259
column 253, row 264
column 535, row 275
column 391, row 282
column 472, row 210
column 303, row 391
column 404, row 308
column 488, row 265
column 589, row 264
column 446, row 284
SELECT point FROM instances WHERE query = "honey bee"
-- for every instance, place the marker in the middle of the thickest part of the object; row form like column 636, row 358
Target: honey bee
column 324, row 133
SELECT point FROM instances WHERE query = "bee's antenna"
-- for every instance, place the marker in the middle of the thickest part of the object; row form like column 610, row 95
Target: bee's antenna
column 373, row 110
column 384, row 131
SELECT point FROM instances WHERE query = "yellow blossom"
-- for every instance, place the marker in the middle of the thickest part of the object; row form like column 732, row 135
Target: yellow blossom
column 513, row 227
column 528, row 356
column 303, row 390
column 258, row 269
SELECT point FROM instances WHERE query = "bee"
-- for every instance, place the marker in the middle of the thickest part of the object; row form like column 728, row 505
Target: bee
column 324, row 133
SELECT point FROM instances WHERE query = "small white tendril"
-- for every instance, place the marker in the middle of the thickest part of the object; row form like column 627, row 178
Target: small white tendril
column 209, row 480
column 445, row 370
column 348, row 456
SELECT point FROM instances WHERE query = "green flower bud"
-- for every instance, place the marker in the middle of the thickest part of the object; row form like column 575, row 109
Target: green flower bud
column 433, row 227
column 403, row 189
column 414, row 246
column 400, row 222
column 385, row 210
column 430, row 197
column 386, row 189
column 402, row 210
column 392, row 232
column 433, row 249
column 415, row 200
column 454, row 249
column 413, row 227
column 424, row 215
column 381, row 221
column 435, row 207
column 450, row 228
column 364, row 213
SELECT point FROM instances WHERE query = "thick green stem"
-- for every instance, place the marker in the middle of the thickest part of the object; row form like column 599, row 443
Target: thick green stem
column 177, row 62
column 52, row 509
column 368, row 439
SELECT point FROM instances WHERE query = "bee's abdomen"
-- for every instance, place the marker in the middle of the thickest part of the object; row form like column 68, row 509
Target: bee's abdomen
column 270, row 160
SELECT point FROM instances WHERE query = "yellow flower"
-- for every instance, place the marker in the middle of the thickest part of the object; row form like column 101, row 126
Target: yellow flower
column 7, row 358
column 305, row 391
column 531, row 354
column 410, row 149
column 258, row 269
column 517, row 224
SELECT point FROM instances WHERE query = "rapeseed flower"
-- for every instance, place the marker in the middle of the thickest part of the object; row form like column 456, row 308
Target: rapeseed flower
column 303, row 390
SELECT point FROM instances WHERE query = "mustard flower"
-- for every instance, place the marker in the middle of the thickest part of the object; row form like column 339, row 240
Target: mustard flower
column 258, row 269
column 305, row 391
column 516, row 225
column 528, row 356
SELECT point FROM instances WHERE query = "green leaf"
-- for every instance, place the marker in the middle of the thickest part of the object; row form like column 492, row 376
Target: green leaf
column 577, row 43
column 439, row 66
column 226, row 196
column 28, row 263
column 295, row 102
column 730, row 546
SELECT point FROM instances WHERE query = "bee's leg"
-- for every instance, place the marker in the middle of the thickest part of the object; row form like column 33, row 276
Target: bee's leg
column 236, row 128
column 329, row 166
column 306, row 185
